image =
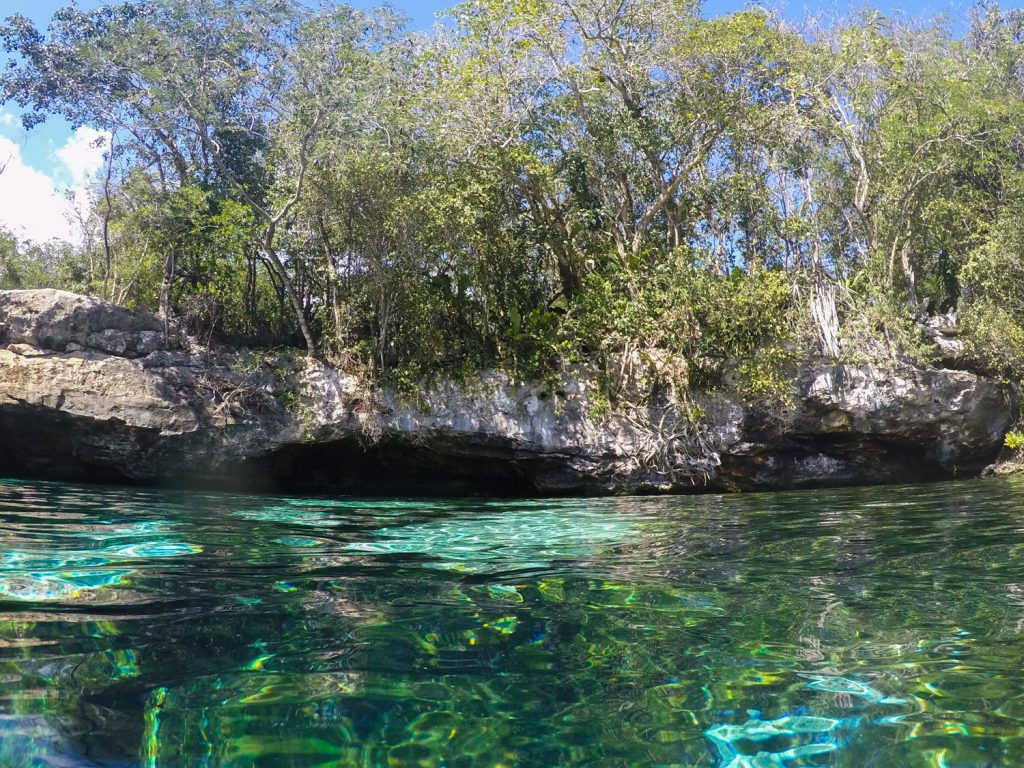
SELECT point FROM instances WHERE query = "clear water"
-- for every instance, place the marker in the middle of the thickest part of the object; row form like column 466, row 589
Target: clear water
column 871, row 627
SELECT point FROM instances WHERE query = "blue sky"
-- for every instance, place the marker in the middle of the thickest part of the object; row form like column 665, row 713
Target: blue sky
column 39, row 167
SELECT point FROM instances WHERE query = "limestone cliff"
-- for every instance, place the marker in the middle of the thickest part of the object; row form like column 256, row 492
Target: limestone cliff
column 93, row 391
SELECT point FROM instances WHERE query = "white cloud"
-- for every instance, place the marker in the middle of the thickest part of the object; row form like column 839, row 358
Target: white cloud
column 34, row 205
column 82, row 155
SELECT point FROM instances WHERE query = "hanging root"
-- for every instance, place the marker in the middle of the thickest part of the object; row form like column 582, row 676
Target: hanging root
column 669, row 442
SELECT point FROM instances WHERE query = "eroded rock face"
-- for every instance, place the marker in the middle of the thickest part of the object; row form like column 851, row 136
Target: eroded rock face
column 863, row 425
column 74, row 406
column 62, row 321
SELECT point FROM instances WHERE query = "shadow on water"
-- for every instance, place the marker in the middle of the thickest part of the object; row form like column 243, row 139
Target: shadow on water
column 856, row 627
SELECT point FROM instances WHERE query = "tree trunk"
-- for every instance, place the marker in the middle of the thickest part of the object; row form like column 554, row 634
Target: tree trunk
column 106, row 216
column 567, row 275
column 291, row 294
column 333, row 287
column 165, row 291
column 909, row 276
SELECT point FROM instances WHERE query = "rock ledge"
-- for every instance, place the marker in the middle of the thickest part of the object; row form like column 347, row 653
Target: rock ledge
column 91, row 391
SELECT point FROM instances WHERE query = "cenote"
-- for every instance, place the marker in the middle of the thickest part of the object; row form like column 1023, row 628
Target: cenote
column 856, row 627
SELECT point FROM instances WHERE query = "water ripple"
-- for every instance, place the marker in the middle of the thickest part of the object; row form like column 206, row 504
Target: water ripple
column 865, row 627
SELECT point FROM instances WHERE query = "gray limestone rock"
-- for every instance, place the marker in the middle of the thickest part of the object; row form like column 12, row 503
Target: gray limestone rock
column 62, row 321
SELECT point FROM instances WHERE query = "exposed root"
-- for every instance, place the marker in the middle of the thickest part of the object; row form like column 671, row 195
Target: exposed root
column 667, row 442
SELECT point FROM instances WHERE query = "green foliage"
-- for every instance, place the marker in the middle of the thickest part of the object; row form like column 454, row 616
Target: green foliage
column 748, row 319
column 699, row 321
column 53, row 264
column 993, row 310
column 738, row 314
column 630, row 186
column 878, row 331
column 1014, row 440
column 994, row 338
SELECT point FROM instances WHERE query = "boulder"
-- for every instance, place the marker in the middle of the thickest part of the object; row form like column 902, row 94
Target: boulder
column 62, row 321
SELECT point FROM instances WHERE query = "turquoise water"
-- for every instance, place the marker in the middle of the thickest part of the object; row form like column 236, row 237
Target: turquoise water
column 867, row 627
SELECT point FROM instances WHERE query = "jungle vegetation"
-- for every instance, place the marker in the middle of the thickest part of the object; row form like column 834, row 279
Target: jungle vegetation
column 541, row 182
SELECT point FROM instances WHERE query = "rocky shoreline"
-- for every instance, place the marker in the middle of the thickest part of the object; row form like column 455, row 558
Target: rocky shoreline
column 90, row 391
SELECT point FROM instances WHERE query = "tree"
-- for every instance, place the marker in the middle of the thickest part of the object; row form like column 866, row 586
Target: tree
column 193, row 82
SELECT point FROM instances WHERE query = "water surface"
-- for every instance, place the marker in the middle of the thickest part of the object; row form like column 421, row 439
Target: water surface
column 868, row 627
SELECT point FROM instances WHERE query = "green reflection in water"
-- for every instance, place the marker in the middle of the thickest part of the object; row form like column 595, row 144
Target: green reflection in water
column 876, row 628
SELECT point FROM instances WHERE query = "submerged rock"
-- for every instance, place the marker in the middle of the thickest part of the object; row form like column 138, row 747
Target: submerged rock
column 92, row 391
